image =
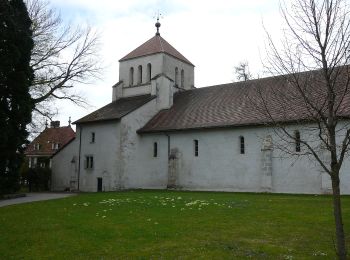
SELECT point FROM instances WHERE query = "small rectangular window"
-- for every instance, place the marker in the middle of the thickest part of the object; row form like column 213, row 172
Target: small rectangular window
column 155, row 149
column 89, row 162
column 55, row 146
column 242, row 145
column 195, row 142
column 92, row 137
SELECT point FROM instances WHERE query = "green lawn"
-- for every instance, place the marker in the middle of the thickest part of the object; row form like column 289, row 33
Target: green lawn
column 166, row 224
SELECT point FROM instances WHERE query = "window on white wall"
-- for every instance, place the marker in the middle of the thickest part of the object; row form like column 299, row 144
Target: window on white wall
column 92, row 137
column 155, row 149
column 195, row 144
column 131, row 76
column 149, row 71
column 241, row 145
column 139, row 77
column 89, row 162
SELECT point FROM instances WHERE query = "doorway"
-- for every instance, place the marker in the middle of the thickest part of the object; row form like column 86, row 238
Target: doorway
column 99, row 184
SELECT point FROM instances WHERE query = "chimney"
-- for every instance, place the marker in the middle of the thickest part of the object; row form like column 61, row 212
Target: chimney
column 55, row 124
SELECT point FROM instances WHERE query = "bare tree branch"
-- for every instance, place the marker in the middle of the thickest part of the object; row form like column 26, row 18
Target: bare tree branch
column 62, row 57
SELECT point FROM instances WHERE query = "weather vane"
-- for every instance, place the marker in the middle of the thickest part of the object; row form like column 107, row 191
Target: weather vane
column 158, row 15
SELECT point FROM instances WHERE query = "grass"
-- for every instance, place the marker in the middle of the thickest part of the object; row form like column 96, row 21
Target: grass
column 172, row 224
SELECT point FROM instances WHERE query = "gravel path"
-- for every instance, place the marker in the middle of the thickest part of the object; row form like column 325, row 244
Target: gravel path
column 31, row 197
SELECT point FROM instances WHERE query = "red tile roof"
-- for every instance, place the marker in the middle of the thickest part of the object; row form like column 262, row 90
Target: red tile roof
column 241, row 104
column 116, row 109
column 59, row 135
column 155, row 45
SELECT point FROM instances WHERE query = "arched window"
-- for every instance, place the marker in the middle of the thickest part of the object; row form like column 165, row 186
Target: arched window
column 149, row 72
column 176, row 76
column 182, row 78
column 131, row 76
column 139, row 76
column 297, row 141
column 241, row 145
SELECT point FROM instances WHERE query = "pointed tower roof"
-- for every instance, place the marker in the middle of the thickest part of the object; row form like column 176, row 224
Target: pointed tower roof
column 155, row 45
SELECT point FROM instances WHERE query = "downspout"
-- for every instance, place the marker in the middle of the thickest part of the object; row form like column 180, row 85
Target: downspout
column 80, row 134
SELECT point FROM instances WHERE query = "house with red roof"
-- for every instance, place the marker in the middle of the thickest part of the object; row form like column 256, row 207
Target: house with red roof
column 159, row 132
column 47, row 143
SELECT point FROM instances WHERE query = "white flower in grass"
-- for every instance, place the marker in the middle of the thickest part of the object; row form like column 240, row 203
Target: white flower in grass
column 149, row 219
column 182, row 209
column 173, row 206
column 74, row 204
column 179, row 198
column 155, row 223
column 103, row 216
column 86, row 204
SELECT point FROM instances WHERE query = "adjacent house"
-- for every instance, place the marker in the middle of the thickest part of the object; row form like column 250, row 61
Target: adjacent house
column 38, row 153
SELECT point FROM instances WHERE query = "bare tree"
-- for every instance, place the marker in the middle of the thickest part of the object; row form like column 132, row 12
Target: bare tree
column 313, row 91
column 242, row 71
column 62, row 57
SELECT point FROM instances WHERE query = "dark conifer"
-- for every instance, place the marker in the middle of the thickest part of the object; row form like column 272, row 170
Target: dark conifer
column 16, row 76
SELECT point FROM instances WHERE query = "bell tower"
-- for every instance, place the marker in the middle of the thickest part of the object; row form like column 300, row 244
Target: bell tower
column 147, row 68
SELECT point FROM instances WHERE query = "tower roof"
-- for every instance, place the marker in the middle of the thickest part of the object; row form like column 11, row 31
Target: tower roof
column 155, row 45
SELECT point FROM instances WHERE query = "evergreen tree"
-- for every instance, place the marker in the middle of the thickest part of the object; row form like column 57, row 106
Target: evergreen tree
column 16, row 76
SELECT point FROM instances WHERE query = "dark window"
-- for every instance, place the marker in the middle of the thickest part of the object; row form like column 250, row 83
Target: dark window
column 92, row 137
column 89, row 162
column 195, row 142
column 131, row 76
column 297, row 141
column 149, row 71
column 139, row 79
column 155, row 149
column 242, row 145
column 37, row 147
column 176, row 76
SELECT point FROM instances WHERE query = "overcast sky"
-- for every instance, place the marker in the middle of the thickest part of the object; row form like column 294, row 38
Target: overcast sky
column 214, row 35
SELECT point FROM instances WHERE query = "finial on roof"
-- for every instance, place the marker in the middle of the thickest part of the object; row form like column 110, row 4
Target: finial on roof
column 69, row 121
column 46, row 124
column 158, row 23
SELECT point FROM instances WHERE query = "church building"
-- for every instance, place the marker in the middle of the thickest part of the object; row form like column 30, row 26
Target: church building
column 161, row 132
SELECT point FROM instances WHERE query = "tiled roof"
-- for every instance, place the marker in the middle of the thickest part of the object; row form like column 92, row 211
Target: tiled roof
column 155, row 45
column 116, row 109
column 59, row 135
column 242, row 103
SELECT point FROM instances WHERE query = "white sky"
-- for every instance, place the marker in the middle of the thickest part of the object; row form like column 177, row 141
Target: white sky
column 214, row 35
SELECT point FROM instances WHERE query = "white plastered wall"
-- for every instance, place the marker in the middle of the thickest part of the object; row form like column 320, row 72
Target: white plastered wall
column 220, row 166
column 65, row 167
column 105, row 153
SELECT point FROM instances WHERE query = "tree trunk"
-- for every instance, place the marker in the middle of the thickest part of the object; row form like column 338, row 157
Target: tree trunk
column 341, row 249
